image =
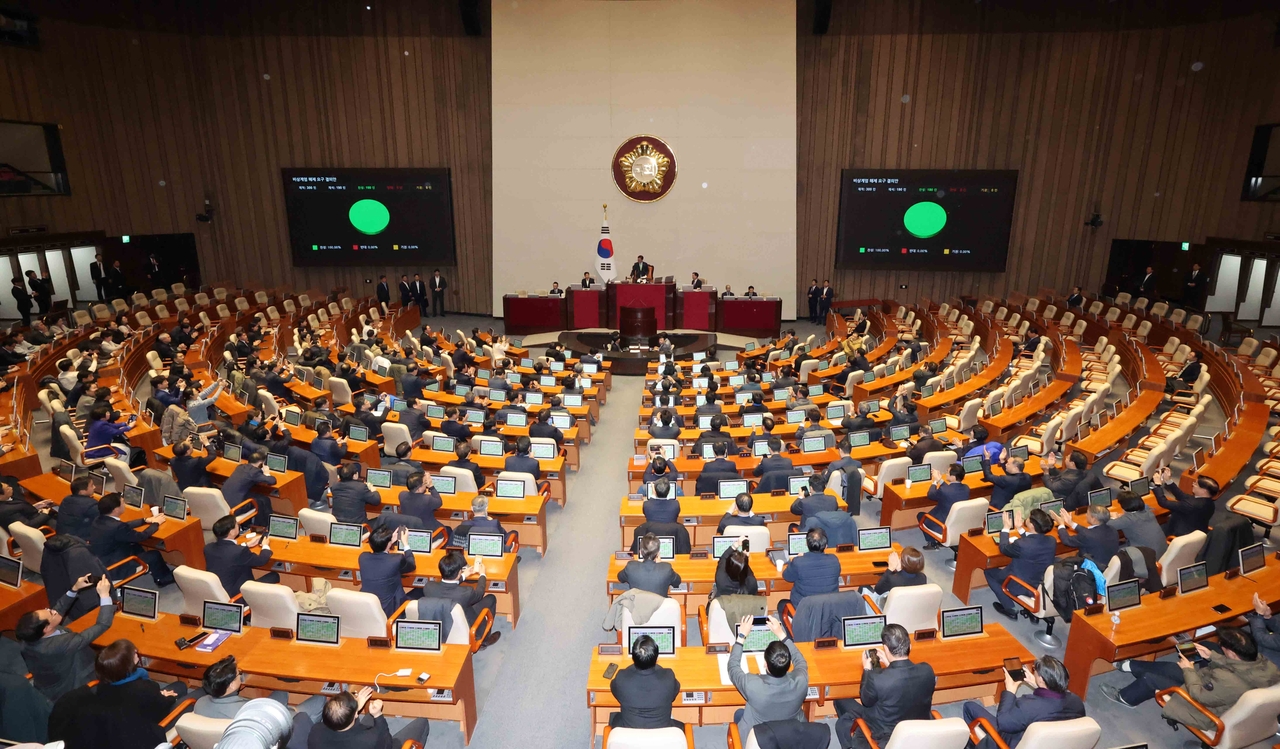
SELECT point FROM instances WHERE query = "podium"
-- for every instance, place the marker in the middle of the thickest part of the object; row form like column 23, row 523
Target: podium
column 661, row 297
column 587, row 308
column 755, row 317
column 697, row 309
column 525, row 315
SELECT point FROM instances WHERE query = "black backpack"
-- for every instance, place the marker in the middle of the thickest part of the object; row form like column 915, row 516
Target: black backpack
column 1073, row 587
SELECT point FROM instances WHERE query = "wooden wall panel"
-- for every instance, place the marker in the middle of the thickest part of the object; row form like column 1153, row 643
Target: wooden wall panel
column 1096, row 106
column 184, row 100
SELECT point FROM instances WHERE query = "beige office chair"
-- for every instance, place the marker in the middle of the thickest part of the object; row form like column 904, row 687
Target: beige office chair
column 30, row 542
column 272, row 605
column 1081, row 733
column 464, row 480
column 360, row 614
column 198, row 586
column 714, row 624
column 915, row 607
column 757, row 535
column 341, row 391
column 393, row 436
column 669, row 614
column 649, row 738
column 891, row 470
column 939, row 733
column 962, row 518
column 209, row 506
column 1259, row 511
column 121, row 476
column 315, row 521
column 1039, row 605
column 1182, row 551
column 1250, row 721
column 199, row 732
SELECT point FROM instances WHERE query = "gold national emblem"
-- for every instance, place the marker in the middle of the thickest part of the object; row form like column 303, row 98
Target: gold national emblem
column 644, row 168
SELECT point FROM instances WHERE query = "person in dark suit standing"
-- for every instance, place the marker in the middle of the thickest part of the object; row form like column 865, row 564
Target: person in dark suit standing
column 815, row 294
column 587, row 281
column 406, row 290
column 155, row 274
column 644, row 690
column 947, row 490
column 98, row 273
column 438, row 286
column 647, row 573
column 813, row 573
column 43, row 296
column 826, row 295
column 419, row 291
column 1097, row 541
column 343, row 727
column 58, row 659
column 472, row 597
column 1147, row 285
column 1194, row 286
column 640, row 270
column 111, row 539
column 696, row 283
column 384, row 290
column 380, row 572
column 892, row 692
column 1031, row 555
column 116, row 284
column 1044, row 699
column 233, row 563
column 23, row 298
column 1187, row 512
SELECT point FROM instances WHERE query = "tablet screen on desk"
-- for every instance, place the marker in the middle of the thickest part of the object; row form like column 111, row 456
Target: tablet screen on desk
column 461, row 390
column 720, row 543
column 758, row 638
column 497, row 396
column 1193, row 577
column 813, row 444
column 132, row 496
column 443, row 444
column 736, row 380
column 731, row 488
column 780, row 396
column 437, row 412
column 473, row 416
column 484, row 544
column 590, row 368
column 922, row 472
column 277, row 463
column 10, row 572
column 972, row 464
column 861, row 631
column 665, row 637
column 175, row 507
column 996, row 407
column 1021, row 452
column 1141, row 486
column 517, row 420
column 870, row 407
column 704, row 421
column 510, row 488
column 795, row 416
column 949, row 382
column 418, row 539
column 938, row 426
column 859, row 439
column 138, row 602
column 225, row 617
column 926, row 391
column 666, row 548
column 359, row 434
column 1100, row 497
column 318, row 629
column 891, row 369
column 378, row 478
column 400, row 405
column 98, row 481
column 835, row 413
column 292, row 417
column 796, row 544
column 444, row 484
column 995, row 522
column 900, row 432
column 1252, row 558
column 766, row 377
column 752, row 420
column 708, row 452
column 1124, row 595
column 491, row 448
column 795, row 484
column 868, row 378
column 543, row 450
column 418, row 636
column 555, row 366
column 570, row 400
column 562, row 421
column 1053, row 506
column 962, row 621
column 875, row 539
column 742, row 399
column 283, row 526
column 345, row 534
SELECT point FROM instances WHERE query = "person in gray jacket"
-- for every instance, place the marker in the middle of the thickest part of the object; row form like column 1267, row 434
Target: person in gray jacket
column 1138, row 524
column 61, row 660
column 777, row 695
column 648, row 573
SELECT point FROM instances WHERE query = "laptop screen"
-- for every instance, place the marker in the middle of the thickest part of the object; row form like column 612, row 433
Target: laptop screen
column 422, row 636
column 861, row 631
column 962, row 621
column 322, row 629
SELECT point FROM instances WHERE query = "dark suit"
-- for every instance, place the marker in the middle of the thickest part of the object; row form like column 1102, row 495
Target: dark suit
column 697, row 284
column 825, row 296
column 945, row 496
column 644, row 697
column 1030, row 555
column 773, row 463
column 729, row 519
column 384, row 292
column 523, row 464
column 111, row 716
column 98, row 273
column 469, row 465
column 456, row 430
column 923, row 448
column 406, row 293
column 328, row 450
column 76, row 514
column 655, row 577
column 678, row 531
column 471, row 596
column 1187, row 512
column 349, row 500
column 807, row 507
column 60, row 664
column 192, row 471
column 640, row 270
column 662, row 510
column 1075, row 300
column 587, row 283
column 380, row 575
column 233, row 564
column 1147, row 284
column 903, row 690
column 812, row 573
column 815, row 292
column 111, row 540
column 720, row 465
column 1193, row 288
column 1099, row 542
column 1015, row 713
column 419, row 291
column 438, row 286
column 422, row 506
column 241, row 485
column 1063, row 481
column 1004, row 486
column 23, row 298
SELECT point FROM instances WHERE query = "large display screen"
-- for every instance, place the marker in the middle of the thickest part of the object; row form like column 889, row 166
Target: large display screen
column 370, row 217
column 925, row 219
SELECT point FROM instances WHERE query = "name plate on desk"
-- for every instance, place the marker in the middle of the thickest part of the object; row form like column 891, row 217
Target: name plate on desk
column 1094, row 609
column 846, row 547
column 707, row 495
column 693, row 698
column 607, row 649
column 699, row 554
column 281, row 633
column 778, row 493
column 318, row 538
column 715, row 648
column 189, row 620
column 825, row 643
column 379, row 643
column 499, row 585
column 681, row 588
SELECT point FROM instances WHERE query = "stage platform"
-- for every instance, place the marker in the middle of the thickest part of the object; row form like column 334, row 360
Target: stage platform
column 635, row 363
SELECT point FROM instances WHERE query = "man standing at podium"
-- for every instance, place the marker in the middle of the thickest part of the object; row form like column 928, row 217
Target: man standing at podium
column 640, row 269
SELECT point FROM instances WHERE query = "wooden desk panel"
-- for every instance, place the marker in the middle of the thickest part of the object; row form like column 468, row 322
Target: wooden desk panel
column 701, row 516
column 527, row 517
column 14, row 602
column 553, row 471
column 290, row 487
column 900, row 504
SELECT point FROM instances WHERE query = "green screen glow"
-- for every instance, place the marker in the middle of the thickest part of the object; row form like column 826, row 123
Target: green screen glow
column 369, row 216
column 925, row 219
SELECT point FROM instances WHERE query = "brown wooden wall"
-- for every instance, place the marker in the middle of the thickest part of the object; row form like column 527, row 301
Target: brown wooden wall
column 1095, row 111
column 185, row 101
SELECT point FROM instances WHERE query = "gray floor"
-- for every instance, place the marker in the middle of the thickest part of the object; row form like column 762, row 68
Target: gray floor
column 531, row 686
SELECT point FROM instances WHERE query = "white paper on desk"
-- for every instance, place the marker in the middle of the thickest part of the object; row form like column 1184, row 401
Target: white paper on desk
column 722, row 660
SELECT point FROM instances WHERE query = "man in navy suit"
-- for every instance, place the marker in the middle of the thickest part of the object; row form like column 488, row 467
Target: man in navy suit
column 1049, row 700
column 380, row 572
column 240, row 484
column 406, row 290
column 814, row 500
column 813, row 573
column 233, row 563
column 947, row 490
column 421, row 500
column 350, row 496
column 111, row 539
column 521, row 462
column 664, row 507
column 775, row 460
column 720, row 464
column 326, row 447
column 741, row 514
column 1097, row 541
column 472, row 597
column 189, row 469
column 1032, row 554
column 480, row 521
column 384, row 290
